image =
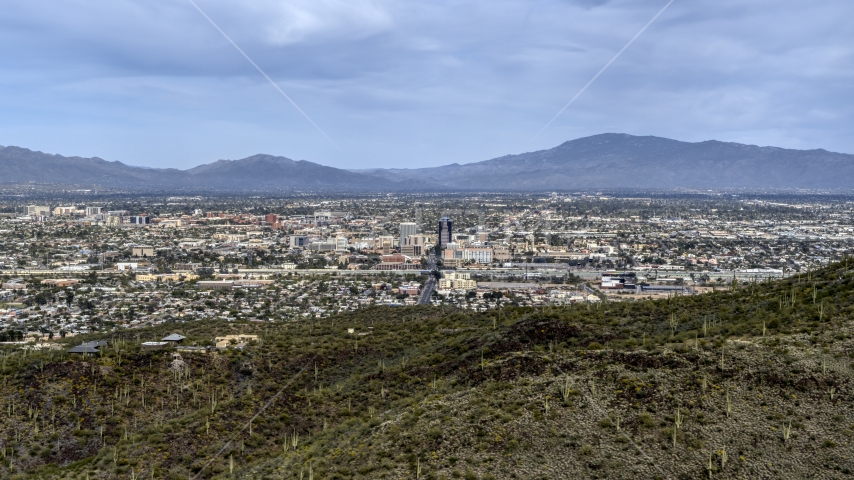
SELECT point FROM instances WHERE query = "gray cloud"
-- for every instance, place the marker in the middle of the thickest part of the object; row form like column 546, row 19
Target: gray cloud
column 409, row 83
column 589, row 3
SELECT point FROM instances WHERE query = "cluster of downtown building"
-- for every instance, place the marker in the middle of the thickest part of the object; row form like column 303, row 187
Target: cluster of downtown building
column 92, row 215
column 537, row 233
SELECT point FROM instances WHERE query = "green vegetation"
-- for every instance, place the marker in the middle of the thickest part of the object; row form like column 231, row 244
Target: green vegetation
column 752, row 382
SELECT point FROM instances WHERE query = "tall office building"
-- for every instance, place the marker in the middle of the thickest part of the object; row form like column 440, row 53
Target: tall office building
column 297, row 241
column 414, row 246
column 386, row 243
column 445, row 232
column 341, row 244
column 407, row 229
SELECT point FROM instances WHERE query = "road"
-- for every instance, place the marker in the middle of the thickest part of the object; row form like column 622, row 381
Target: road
column 427, row 292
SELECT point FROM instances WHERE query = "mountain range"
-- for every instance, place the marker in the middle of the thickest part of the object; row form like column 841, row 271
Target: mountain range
column 258, row 172
column 600, row 161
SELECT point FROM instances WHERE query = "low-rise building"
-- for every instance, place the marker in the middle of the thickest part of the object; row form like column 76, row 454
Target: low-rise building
column 60, row 282
column 481, row 255
column 457, row 281
column 143, row 251
column 174, row 339
column 215, row 284
column 166, row 277
column 14, row 285
column 69, row 210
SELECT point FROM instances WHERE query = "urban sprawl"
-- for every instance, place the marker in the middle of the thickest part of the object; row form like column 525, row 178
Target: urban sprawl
column 83, row 264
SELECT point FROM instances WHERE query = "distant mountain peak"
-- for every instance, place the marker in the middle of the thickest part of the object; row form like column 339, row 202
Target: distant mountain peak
column 619, row 160
column 607, row 160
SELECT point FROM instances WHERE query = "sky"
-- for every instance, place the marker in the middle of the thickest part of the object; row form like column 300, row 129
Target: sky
column 408, row 84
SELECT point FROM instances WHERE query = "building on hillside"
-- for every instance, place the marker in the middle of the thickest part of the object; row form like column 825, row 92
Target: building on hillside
column 88, row 347
column 226, row 341
column 174, row 339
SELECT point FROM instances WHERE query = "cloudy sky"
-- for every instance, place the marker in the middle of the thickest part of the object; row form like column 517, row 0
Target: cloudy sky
column 404, row 83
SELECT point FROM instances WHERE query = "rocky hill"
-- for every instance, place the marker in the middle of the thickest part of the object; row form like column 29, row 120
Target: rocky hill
column 751, row 382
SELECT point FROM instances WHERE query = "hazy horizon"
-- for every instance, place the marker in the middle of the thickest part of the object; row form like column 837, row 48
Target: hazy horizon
column 367, row 167
column 407, row 85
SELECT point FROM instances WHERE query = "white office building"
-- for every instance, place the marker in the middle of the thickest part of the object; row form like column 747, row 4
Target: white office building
column 407, row 229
